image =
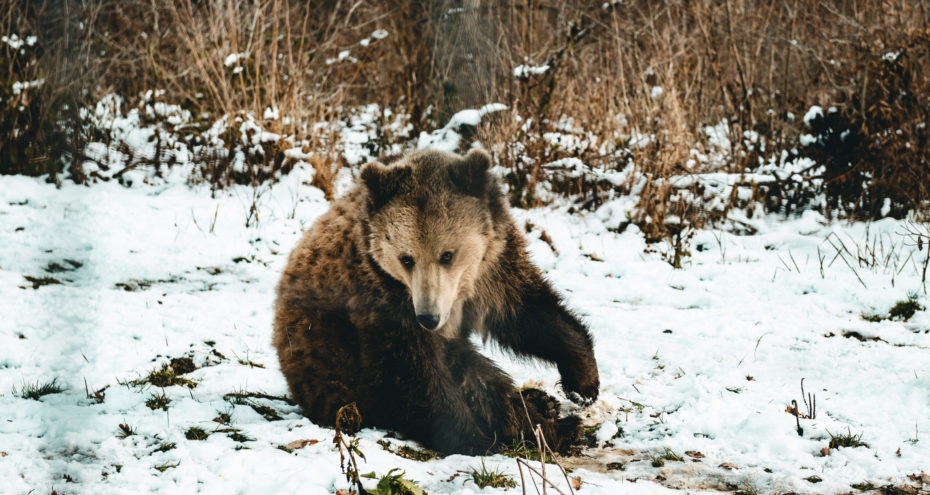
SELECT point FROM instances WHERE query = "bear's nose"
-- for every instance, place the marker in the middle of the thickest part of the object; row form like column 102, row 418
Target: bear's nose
column 428, row 321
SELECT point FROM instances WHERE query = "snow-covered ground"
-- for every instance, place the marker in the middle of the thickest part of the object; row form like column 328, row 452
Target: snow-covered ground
column 704, row 359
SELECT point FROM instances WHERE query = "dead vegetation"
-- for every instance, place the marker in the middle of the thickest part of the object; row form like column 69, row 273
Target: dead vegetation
column 650, row 98
column 257, row 401
column 166, row 376
column 39, row 389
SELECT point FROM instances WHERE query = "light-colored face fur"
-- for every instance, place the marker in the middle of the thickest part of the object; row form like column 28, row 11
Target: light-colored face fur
column 435, row 248
column 430, row 227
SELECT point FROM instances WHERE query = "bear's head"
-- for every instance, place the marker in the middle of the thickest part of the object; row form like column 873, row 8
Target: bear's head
column 431, row 223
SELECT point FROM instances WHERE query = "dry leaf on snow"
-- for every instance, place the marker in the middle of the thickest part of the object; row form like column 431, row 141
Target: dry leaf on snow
column 299, row 444
column 694, row 453
column 728, row 466
column 923, row 478
column 576, row 482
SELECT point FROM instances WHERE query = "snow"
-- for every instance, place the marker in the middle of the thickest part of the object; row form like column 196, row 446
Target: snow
column 271, row 113
column 377, row 34
column 234, row 58
column 473, row 117
column 343, row 55
column 14, row 41
column 701, row 359
column 20, row 87
column 448, row 138
column 718, row 136
column 812, row 113
column 575, row 168
column 676, row 348
column 528, row 70
column 807, row 139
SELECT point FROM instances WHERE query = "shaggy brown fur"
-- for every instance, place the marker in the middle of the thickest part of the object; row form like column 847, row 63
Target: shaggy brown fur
column 379, row 297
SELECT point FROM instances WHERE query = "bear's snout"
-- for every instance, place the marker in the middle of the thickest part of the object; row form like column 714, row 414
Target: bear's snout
column 428, row 321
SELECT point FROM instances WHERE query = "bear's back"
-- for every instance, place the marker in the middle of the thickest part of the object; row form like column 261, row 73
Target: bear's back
column 326, row 262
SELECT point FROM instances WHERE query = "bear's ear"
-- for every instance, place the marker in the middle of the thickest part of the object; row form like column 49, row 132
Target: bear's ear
column 383, row 182
column 471, row 174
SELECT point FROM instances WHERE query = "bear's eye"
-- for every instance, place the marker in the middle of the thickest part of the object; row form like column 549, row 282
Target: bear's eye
column 446, row 257
column 406, row 261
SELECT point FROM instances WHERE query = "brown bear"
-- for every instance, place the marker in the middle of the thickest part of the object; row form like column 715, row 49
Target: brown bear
column 379, row 297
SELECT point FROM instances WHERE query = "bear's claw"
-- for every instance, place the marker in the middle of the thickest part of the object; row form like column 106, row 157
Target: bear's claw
column 581, row 388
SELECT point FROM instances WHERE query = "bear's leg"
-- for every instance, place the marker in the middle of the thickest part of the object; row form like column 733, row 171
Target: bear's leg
column 486, row 388
column 320, row 400
column 497, row 404
column 315, row 352
column 537, row 324
column 412, row 388
column 534, row 408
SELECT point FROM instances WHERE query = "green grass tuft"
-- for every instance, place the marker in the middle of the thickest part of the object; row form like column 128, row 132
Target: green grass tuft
column 408, row 452
column 522, row 449
column 162, row 377
column 166, row 466
column 495, row 479
column 846, row 440
column 36, row 390
column 248, row 362
column 871, row 317
column 158, row 402
column 864, row 486
column 668, row 455
column 904, row 310
column 165, row 447
column 239, row 437
column 165, row 377
column 196, row 433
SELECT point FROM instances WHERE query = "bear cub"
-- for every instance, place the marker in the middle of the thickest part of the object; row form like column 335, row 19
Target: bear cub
column 379, row 297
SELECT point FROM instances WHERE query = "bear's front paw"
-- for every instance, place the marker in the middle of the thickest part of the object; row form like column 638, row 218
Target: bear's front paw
column 581, row 385
column 539, row 404
column 562, row 433
column 534, row 408
column 570, row 432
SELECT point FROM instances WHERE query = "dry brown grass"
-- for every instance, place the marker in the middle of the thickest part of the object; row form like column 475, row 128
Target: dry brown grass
column 757, row 66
